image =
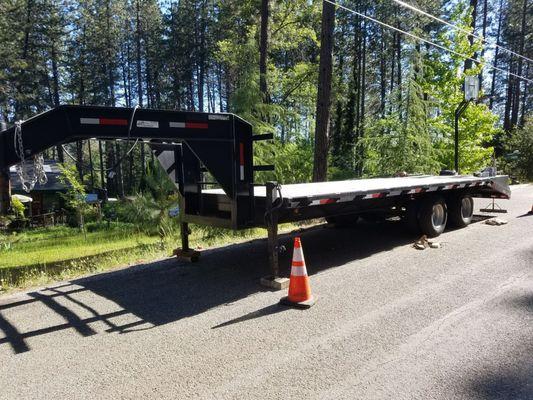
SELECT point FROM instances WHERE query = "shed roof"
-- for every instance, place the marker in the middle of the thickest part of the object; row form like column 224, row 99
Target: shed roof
column 52, row 173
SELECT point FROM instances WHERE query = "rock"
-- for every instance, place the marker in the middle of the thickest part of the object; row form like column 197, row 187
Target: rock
column 495, row 221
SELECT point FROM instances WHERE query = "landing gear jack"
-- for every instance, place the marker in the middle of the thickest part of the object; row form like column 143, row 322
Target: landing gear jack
column 186, row 253
column 273, row 281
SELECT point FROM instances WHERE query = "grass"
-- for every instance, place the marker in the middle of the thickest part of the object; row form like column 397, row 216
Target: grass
column 50, row 245
column 40, row 256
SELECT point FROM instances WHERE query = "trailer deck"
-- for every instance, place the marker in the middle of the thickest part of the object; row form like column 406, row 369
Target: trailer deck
column 337, row 191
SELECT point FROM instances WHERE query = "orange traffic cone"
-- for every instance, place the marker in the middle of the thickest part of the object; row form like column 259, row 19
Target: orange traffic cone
column 299, row 289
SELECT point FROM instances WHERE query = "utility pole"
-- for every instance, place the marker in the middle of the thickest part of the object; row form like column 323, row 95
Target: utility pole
column 320, row 164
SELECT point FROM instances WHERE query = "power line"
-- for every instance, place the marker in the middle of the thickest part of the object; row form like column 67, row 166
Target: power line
column 427, row 41
column 458, row 28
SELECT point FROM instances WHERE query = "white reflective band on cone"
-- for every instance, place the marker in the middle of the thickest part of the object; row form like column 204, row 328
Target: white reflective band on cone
column 298, row 271
column 297, row 255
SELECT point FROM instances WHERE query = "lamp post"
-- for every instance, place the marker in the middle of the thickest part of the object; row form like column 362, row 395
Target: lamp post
column 458, row 112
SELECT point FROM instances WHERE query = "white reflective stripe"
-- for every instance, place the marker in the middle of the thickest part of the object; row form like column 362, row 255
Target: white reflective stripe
column 242, row 172
column 166, row 159
column 90, row 121
column 218, row 117
column 297, row 255
column 299, row 271
column 147, row 124
column 176, row 124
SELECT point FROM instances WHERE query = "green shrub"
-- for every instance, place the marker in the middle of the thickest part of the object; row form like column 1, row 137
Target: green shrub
column 518, row 145
column 17, row 207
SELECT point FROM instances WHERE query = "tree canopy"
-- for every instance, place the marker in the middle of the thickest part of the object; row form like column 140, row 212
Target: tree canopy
column 392, row 98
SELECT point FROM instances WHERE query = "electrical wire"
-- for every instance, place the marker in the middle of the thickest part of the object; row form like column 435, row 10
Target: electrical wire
column 458, row 28
column 490, row 66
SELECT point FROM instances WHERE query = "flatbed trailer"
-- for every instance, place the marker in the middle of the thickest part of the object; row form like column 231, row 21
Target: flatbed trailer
column 191, row 146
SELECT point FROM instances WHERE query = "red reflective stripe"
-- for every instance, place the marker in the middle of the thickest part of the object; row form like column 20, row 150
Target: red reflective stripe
column 327, row 201
column 196, row 125
column 110, row 121
column 378, row 195
column 298, row 264
column 241, row 151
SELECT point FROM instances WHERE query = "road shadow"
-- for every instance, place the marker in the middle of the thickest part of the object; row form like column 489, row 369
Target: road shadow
column 158, row 293
column 268, row 310
column 512, row 385
column 528, row 214
column 512, row 380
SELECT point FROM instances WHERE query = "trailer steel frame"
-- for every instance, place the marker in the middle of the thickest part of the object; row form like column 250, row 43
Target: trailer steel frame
column 192, row 145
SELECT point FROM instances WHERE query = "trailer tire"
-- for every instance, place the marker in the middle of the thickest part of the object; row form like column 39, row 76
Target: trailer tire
column 461, row 210
column 433, row 216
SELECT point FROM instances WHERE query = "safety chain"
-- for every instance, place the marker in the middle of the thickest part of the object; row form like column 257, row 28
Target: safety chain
column 38, row 174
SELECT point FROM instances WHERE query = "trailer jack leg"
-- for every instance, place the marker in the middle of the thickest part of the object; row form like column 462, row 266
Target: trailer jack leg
column 186, row 253
column 273, row 281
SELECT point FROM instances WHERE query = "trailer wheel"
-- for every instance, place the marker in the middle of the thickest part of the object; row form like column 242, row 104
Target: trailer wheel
column 433, row 216
column 461, row 210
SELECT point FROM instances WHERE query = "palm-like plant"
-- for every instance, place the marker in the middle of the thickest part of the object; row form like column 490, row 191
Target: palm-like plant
column 151, row 207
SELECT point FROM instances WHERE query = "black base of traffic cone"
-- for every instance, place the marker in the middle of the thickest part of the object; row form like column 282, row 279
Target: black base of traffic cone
column 302, row 304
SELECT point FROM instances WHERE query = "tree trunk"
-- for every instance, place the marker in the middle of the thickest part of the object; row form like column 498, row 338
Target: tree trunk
column 201, row 57
column 320, row 166
column 138, row 49
column 79, row 159
column 496, row 54
column 399, row 68
column 139, row 77
column 518, row 82
column 263, row 50
column 362, row 112
column 55, row 81
column 483, row 33
column 473, row 6
column 102, row 165
column 382, row 75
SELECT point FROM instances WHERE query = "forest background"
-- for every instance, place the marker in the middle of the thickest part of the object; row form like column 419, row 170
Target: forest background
column 392, row 98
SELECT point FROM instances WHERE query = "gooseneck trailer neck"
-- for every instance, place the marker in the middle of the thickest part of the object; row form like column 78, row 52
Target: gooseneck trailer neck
column 189, row 145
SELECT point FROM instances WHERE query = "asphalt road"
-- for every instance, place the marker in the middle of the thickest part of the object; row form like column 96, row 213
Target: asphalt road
column 391, row 322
